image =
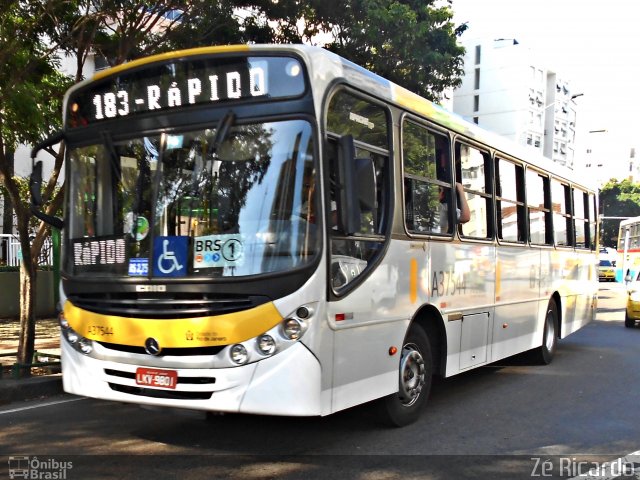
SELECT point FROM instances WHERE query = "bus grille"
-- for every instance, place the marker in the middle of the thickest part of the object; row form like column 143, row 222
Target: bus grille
column 166, row 394
column 164, row 305
column 173, row 352
column 204, row 382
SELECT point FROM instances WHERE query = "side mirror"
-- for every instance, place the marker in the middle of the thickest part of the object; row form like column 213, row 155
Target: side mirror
column 35, row 183
column 356, row 186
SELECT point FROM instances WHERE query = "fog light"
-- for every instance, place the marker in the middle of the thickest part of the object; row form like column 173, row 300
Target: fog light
column 239, row 354
column 85, row 345
column 292, row 329
column 266, row 345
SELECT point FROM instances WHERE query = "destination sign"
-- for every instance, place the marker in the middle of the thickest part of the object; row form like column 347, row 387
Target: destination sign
column 103, row 254
column 183, row 83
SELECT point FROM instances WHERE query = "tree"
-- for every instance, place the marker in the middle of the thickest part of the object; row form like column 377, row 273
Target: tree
column 31, row 89
column 413, row 44
column 410, row 42
column 617, row 199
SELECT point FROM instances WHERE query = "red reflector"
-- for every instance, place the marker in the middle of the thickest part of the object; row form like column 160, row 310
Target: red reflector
column 393, row 351
column 340, row 317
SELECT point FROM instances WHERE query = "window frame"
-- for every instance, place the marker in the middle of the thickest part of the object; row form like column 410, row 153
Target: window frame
column 567, row 214
column 519, row 202
column 488, row 194
column 446, row 136
column 545, row 208
column 388, row 195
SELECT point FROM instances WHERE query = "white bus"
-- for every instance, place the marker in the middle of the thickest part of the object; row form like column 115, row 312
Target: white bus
column 273, row 230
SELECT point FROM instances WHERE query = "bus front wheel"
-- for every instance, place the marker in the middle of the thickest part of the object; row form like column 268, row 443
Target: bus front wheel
column 415, row 374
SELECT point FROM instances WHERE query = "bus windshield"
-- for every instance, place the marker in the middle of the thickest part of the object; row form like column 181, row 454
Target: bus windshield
column 195, row 203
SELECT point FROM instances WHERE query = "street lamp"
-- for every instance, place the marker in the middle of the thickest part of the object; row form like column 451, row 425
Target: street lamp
column 571, row 98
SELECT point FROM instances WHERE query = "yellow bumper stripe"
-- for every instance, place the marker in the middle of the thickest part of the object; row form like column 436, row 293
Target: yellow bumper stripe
column 174, row 333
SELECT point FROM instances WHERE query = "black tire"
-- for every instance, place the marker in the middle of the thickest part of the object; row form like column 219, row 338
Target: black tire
column 415, row 376
column 628, row 321
column 545, row 352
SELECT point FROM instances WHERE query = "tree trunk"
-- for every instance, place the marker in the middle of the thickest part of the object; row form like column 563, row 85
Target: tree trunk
column 26, row 345
column 7, row 210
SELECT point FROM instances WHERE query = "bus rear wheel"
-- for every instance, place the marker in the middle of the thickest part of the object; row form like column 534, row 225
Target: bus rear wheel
column 544, row 353
column 415, row 374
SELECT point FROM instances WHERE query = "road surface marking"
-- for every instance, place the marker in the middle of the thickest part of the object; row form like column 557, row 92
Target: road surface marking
column 45, row 404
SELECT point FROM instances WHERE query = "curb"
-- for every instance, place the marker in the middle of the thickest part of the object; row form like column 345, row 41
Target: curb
column 30, row 388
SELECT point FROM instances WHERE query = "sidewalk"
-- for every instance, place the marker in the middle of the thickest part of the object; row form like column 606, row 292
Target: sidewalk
column 42, row 383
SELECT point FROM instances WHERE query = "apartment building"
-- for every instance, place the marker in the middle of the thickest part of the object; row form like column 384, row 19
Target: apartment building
column 507, row 89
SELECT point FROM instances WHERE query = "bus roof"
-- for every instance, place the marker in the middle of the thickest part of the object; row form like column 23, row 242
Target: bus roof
column 324, row 67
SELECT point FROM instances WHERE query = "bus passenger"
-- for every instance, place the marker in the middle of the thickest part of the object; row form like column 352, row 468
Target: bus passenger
column 463, row 214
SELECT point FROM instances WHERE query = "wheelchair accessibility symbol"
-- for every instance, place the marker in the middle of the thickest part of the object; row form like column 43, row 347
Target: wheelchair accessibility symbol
column 170, row 256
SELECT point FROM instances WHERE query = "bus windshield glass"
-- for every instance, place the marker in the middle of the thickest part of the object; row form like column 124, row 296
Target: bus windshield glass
column 195, row 203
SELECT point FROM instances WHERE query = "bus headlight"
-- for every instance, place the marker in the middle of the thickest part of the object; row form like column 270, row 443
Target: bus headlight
column 85, row 346
column 72, row 336
column 239, row 354
column 266, row 345
column 64, row 323
column 77, row 341
column 277, row 339
column 292, row 328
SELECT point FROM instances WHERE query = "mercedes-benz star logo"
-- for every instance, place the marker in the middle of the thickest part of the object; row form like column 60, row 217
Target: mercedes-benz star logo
column 152, row 347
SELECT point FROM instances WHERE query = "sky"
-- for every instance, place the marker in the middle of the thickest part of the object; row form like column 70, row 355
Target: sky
column 595, row 45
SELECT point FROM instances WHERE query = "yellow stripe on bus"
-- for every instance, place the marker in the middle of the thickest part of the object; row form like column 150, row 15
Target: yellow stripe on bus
column 174, row 333
column 413, row 281
column 162, row 57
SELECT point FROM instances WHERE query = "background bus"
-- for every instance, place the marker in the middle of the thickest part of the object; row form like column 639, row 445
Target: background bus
column 628, row 249
column 274, row 230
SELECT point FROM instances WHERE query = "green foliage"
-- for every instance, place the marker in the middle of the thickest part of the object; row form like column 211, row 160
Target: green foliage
column 31, row 87
column 410, row 42
column 617, row 199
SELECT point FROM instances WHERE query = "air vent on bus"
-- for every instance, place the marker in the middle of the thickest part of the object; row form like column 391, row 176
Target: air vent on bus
column 168, row 352
column 166, row 394
column 164, row 305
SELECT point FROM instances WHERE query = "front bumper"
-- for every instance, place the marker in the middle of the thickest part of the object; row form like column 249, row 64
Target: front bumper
column 288, row 383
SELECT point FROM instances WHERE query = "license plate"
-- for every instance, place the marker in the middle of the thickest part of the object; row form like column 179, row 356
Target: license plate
column 151, row 377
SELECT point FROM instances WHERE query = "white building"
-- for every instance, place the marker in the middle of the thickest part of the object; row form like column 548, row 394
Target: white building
column 609, row 155
column 508, row 90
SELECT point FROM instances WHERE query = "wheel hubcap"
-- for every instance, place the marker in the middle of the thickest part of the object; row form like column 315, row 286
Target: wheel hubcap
column 412, row 374
column 550, row 333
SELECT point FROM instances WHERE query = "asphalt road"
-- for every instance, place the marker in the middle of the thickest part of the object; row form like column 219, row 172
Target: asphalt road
column 500, row 421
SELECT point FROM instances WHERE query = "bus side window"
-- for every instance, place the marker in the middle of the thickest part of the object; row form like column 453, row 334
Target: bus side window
column 367, row 122
column 539, row 208
column 580, row 221
column 510, row 201
column 427, row 180
column 561, row 214
column 472, row 169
